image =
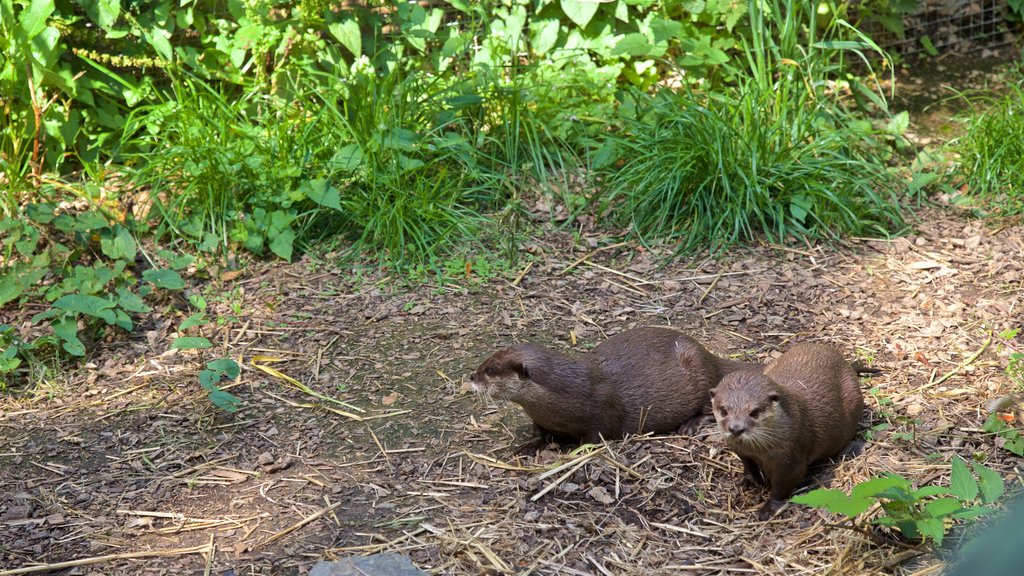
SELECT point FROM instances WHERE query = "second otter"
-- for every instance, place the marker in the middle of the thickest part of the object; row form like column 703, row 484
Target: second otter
column 641, row 380
column 803, row 409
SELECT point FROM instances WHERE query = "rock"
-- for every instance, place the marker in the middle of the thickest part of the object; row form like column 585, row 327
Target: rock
column 375, row 565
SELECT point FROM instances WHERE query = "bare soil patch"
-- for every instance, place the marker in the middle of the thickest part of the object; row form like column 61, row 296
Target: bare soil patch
column 128, row 455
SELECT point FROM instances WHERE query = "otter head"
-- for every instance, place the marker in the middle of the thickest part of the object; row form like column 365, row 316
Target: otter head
column 504, row 374
column 746, row 405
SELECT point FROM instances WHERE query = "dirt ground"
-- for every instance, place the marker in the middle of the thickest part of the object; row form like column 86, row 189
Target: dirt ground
column 129, row 458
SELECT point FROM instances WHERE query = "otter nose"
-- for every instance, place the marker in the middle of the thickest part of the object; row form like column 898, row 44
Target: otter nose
column 737, row 428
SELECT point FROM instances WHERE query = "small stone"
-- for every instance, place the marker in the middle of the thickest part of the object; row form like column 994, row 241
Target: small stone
column 376, row 565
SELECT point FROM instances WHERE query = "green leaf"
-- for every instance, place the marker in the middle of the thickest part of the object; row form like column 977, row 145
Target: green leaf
column 192, row 321
column 972, row 512
column 347, row 159
column 107, row 12
column 633, row 44
column 33, row 18
column 10, row 288
column 159, row 39
column 834, row 501
column 348, row 34
column 544, row 35
column 131, row 302
column 191, row 343
column 122, row 320
column 87, row 304
column 281, row 243
column 899, row 123
column 931, row 528
column 225, row 366
column 400, row 139
column 89, row 221
column 41, row 213
column 876, row 486
column 926, row 491
column 943, row 507
column 990, row 483
column 225, row 400
column 579, row 11
column 67, row 330
column 198, row 301
column 961, row 483
column 164, row 278
column 119, row 247
column 321, row 192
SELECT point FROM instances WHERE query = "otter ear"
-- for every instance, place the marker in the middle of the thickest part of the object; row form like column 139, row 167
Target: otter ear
column 520, row 368
column 773, row 398
column 712, row 393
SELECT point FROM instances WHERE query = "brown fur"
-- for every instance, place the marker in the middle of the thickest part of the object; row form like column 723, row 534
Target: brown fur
column 803, row 409
column 641, row 380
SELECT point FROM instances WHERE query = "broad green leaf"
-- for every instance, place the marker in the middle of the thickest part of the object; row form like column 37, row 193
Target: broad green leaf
column 107, row 13
column 926, row 491
column 10, row 288
column 972, row 512
column 347, row 159
column 131, row 302
column 961, row 482
column 579, row 11
column 164, row 278
column 191, row 343
column 990, row 483
column 192, row 321
column 198, row 301
column 348, row 34
column 400, row 139
column 899, row 123
column 67, row 330
column 41, row 213
column 931, row 528
column 33, row 17
column 943, row 507
column 544, row 35
column 225, row 400
column 321, row 192
column 159, row 39
column 633, row 44
column 119, row 247
column 208, row 379
column 281, row 243
column 87, row 304
column 876, row 486
column 89, row 221
column 225, row 366
column 122, row 320
column 834, row 501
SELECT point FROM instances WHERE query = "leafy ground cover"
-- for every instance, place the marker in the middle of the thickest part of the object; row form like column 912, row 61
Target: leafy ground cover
column 129, row 456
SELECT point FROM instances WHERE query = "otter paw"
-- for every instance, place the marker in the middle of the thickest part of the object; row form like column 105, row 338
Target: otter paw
column 768, row 510
column 751, row 482
column 531, row 447
column 691, row 426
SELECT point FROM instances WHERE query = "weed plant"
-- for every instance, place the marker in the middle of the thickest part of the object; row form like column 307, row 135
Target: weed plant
column 775, row 155
column 992, row 150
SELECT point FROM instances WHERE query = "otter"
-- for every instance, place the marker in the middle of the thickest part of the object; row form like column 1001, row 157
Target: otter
column 650, row 379
column 804, row 408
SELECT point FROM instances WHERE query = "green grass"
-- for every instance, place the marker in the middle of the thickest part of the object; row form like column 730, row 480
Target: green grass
column 775, row 156
column 992, row 149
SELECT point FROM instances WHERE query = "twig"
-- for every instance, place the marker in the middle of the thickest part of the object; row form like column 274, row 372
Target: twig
column 102, row 559
column 583, row 259
column 956, row 370
column 711, row 286
column 295, row 526
column 519, row 277
column 878, row 538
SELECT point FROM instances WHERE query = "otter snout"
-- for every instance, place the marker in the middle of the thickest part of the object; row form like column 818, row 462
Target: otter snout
column 736, row 428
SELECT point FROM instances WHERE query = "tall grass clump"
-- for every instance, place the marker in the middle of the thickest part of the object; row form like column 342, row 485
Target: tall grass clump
column 992, row 149
column 774, row 154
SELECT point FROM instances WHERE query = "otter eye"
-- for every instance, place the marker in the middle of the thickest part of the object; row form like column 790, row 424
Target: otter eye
column 723, row 411
column 755, row 412
column 489, row 371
